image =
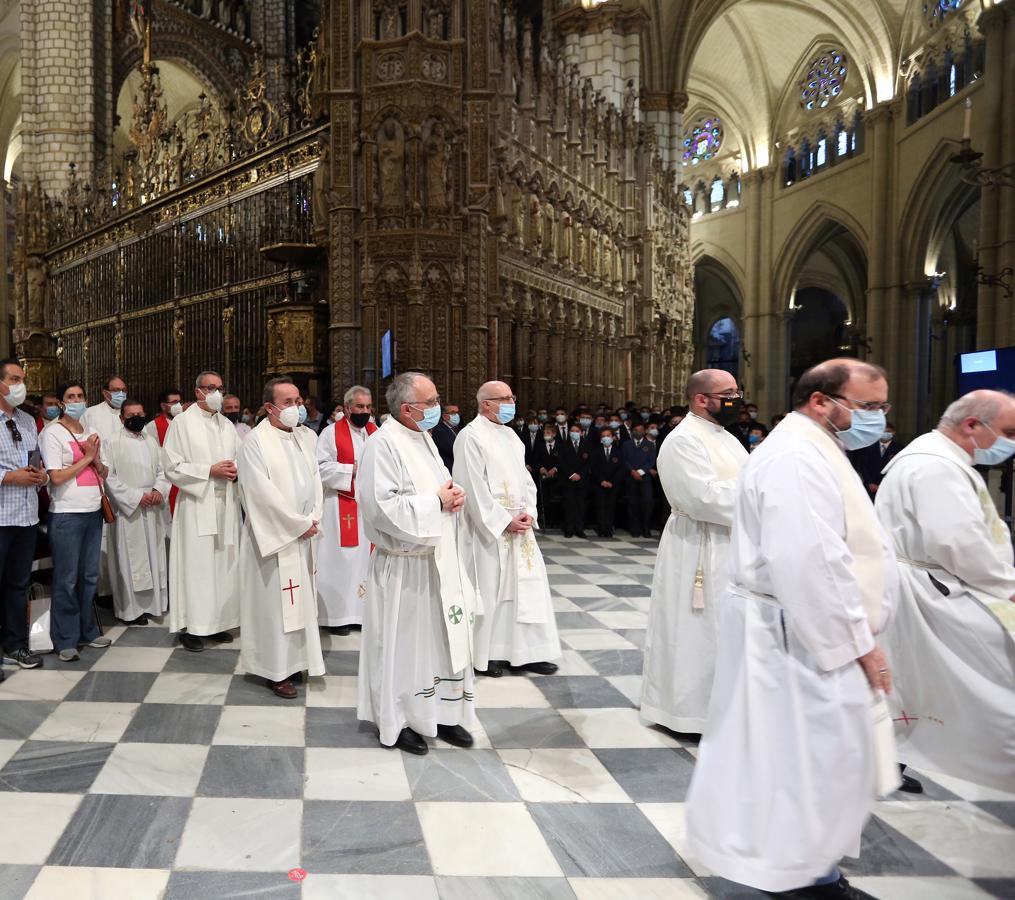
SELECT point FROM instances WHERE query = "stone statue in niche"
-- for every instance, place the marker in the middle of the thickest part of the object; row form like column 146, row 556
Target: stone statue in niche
column 434, row 21
column 206, row 6
column 580, row 248
column 549, row 231
column 391, row 168
column 594, row 241
column 518, row 217
column 438, row 156
column 537, row 223
column 390, row 24
column 567, row 225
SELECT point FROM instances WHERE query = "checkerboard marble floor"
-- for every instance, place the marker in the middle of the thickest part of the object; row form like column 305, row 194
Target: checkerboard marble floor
column 146, row 771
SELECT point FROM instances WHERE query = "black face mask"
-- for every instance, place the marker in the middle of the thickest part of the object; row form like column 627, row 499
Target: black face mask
column 359, row 419
column 233, row 417
column 728, row 411
column 134, row 423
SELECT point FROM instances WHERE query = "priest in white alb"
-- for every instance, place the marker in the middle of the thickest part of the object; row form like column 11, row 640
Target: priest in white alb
column 282, row 497
column 698, row 467
column 199, row 457
column 799, row 744
column 137, row 488
column 951, row 647
column 515, row 622
column 415, row 664
column 343, row 554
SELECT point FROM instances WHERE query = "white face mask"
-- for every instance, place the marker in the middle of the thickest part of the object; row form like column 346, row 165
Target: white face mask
column 175, row 409
column 290, row 416
column 16, row 394
column 213, row 400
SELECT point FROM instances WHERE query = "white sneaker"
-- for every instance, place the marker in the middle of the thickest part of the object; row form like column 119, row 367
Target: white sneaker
column 69, row 655
column 100, row 643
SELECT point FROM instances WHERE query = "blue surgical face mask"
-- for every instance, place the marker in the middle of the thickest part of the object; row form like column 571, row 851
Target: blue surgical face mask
column 585, row 422
column 431, row 416
column 996, row 453
column 303, row 415
column 542, row 417
column 533, row 427
column 117, row 399
column 645, row 416
column 52, row 412
column 454, row 419
column 576, row 436
column 754, row 439
column 866, row 427
column 506, row 413
column 606, row 441
column 623, row 417
column 653, row 432
column 74, row 410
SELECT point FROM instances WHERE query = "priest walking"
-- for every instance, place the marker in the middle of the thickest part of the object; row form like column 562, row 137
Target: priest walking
column 137, row 488
column 343, row 555
column 698, row 468
column 799, row 740
column 199, row 458
column 515, row 624
column 415, row 665
column 950, row 646
column 282, row 498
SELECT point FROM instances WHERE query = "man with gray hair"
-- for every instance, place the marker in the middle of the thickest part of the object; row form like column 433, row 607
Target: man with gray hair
column 344, row 551
column 516, row 626
column 415, row 665
column 199, row 457
column 951, row 647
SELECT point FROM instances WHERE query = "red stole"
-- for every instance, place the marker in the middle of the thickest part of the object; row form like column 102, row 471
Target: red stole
column 162, row 427
column 348, row 509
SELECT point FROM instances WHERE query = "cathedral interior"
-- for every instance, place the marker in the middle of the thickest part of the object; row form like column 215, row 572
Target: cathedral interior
column 586, row 199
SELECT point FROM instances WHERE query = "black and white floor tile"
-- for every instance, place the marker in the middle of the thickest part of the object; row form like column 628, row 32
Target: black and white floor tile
column 145, row 771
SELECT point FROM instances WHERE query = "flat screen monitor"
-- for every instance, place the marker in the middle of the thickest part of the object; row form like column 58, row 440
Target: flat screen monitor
column 994, row 369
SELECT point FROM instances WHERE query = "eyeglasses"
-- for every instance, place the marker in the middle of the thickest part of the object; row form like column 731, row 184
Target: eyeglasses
column 15, row 434
column 728, row 395
column 208, row 388
column 427, row 404
column 511, row 398
column 867, row 405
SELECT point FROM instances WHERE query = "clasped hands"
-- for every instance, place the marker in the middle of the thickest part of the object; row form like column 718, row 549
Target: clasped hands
column 452, row 497
column 152, row 498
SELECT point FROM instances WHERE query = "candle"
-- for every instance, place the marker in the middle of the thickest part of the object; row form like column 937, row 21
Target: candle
column 967, row 125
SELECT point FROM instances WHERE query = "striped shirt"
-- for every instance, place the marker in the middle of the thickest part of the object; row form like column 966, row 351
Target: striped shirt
column 19, row 504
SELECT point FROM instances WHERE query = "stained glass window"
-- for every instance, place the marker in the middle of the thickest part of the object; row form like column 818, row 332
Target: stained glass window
column 704, row 141
column 936, row 11
column 825, row 78
column 842, row 141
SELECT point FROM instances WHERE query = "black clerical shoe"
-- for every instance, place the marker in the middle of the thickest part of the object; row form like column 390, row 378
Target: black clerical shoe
column 411, row 742
column 455, row 734
column 492, row 670
column 191, row 642
column 836, row 890
column 356, row 627
column 340, row 630
column 297, row 678
column 284, row 689
column 581, row 534
column 538, row 668
column 223, row 637
column 140, row 620
column 910, row 785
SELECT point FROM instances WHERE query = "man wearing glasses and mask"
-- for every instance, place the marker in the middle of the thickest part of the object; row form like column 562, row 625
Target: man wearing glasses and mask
column 698, row 468
column 799, row 741
column 199, row 457
column 22, row 475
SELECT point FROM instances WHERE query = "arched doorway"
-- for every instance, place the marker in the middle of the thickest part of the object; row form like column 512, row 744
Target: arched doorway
column 718, row 307
column 818, row 329
column 724, row 346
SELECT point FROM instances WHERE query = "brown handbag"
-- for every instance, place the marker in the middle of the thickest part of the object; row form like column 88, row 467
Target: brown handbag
column 108, row 516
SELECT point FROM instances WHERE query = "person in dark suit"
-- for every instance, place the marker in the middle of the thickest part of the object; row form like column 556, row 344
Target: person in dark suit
column 575, row 474
column 621, row 433
column 870, row 461
column 445, row 432
column 547, row 472
column 638, row 458
column 607, row 476
column 560, row 423
column 532, row 437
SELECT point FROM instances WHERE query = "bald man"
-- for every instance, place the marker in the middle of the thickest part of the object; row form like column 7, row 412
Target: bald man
column 950, row 646
column 515, row 623
column 698, row 468
column 799, row 739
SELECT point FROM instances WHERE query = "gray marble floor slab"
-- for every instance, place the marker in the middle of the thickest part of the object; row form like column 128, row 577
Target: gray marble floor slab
column 341, row 662
column 886, row 851
column 462, row 888
column 61, row 767
column 627, row 590
column 116, row 687
column 257, row 772
column 1000, row 809
column 250, row 690
column 635, row 635
column 16, row 880
column 528, row 728
column 338, row 727
column 450, row 775
column 173, row 723
column 614, row 662
column 220, row 662
column 601, row 840
column 653, row 775
column 88, row 656
column 147, row 636
column 20, row 718
column 601, row 604
column 125, row 832
column 232, row 886
column 581, row 692
column 589, row 569
column 1003, row 888
column 577, row 620
column 721, row 889
column 363, row 837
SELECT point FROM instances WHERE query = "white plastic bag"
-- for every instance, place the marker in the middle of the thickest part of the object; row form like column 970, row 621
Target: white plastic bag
column 39, row 640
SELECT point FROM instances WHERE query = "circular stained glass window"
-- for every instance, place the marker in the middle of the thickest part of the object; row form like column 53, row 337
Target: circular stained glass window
column 825, row 79
column 704, row 141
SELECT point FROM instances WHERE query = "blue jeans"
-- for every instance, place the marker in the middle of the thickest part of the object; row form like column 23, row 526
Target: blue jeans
column 75, row 539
